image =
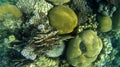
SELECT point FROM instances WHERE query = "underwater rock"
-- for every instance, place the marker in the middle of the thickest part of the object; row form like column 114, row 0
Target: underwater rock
column 83, row 49
column 58, row 2
column 9, row 9
column 63, row 19
column 105, row 23
column 116, row 20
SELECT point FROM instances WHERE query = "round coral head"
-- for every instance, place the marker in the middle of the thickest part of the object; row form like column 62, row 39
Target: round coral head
column 63, row 19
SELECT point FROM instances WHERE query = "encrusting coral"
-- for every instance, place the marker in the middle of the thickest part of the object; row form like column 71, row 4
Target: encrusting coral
column 9, row 9
column 63, row 19
column 84, row 49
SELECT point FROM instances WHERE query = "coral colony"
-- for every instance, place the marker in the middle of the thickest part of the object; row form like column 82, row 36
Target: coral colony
column 59, row 33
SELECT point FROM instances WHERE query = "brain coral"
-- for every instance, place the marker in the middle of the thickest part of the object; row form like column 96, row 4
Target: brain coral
column 83, row 49
column 105, row 23
column 9, row 9
column 63, row 19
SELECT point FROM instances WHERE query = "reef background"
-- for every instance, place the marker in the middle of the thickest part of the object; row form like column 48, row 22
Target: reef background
column 27, row 39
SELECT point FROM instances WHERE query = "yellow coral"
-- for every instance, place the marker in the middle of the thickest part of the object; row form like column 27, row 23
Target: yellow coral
column 84, row 49
column 9, row 9
column 105, row 23
column 63, row 19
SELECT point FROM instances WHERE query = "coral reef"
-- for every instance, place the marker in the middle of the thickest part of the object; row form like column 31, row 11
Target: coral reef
column 8, row 1
column 105, row 23
column 59, row 33
column 114, row 2
column 82, row 9
column 58, row 2
column 35, row 6
column 106, row 9
column 10, row 23
column 27, row 6
column 90, row 24
column 63, row 19
column 104, row 56
column 116, row 20
column 84, row 49
column 10, row 19
column 44, row 62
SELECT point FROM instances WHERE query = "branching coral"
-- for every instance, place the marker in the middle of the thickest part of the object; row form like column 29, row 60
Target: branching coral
column 27, row 6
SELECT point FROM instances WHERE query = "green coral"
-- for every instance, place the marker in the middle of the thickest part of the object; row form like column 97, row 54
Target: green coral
column 84, row 49
column 105, row 23
column 63, row 19
column 116, row 20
